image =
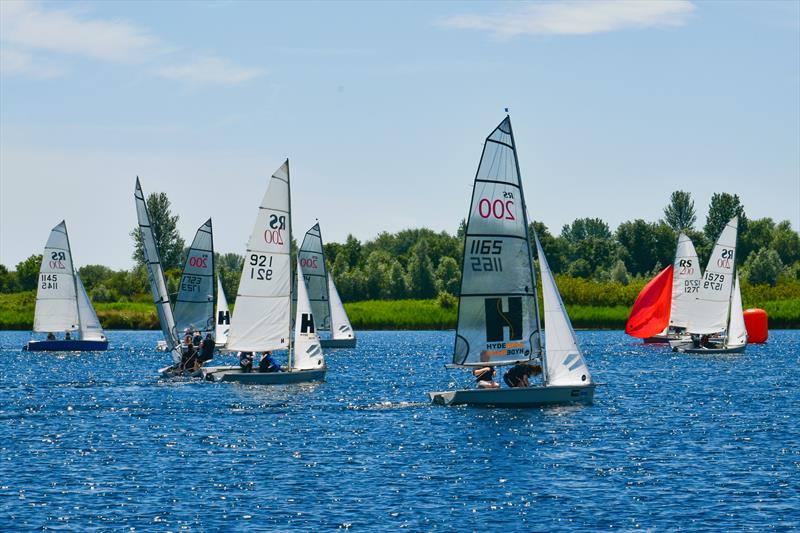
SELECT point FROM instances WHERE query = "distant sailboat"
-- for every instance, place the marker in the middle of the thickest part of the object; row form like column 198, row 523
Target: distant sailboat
column 62, row 304
column 498, row 312
column 261, row 320
column 329, row 313
column 716, row 319
column 663, row 308
column 155, row 274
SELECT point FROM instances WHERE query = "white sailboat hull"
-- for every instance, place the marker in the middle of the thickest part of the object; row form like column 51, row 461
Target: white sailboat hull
column 517, row 397
column 234, row 374
column 338, row 343
column 710, row 351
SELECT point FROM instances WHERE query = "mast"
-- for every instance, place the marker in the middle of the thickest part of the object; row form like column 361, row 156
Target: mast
column 74, row 276
column 289, row 188
column 530, row 253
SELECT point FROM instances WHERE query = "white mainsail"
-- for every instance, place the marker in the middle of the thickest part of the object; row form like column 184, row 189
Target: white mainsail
column 223, row 317
column 311, row 258
column 91, row 330
column 709, row 312
column 158, row 285
column 498, row 319
column 194, row 307
column 56, row 309
column 340, row 323
column 685, row 283
column 307, row 349
column 737, row 331
column 261, row 319
column 564, row 363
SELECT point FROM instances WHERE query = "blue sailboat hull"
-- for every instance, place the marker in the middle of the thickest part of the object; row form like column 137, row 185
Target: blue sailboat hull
column 66, row 346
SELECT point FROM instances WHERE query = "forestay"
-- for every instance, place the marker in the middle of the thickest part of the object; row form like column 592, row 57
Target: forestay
column 737, row 331
column 340, row 323
column 307, row 350
column 564, row 363
column 710, row 310
column 685, row 283
column 223, row 325
column 91, row 330
column 194, row 307
column 261, row 319
column 497, row 315
column 158, row 285
column 55, row 295
column 312, row 264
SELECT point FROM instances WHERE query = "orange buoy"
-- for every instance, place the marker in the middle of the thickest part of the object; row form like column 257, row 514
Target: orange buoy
column 757, row 328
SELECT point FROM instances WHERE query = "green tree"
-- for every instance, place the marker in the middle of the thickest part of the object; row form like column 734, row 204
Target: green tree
column 94, row 275
column 421, row 278
column 376, row 278
column 680, row 214
column 448, row 276
column 619, row 273
column 584, row 228
column 165, row 229
column 645, row 244
column 398, row 283
column 28, row 272
column 764, row 267
column 759, row 234
column 723, row 207
column 786, row 242
column 8, row 280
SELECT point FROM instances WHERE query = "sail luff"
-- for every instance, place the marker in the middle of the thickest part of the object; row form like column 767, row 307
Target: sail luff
column 74, row 278
column 289, row 215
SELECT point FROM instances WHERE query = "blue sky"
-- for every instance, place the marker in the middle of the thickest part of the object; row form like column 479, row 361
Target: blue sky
column 382, row 109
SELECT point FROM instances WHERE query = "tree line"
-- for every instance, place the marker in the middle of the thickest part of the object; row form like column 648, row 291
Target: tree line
column 421, row 263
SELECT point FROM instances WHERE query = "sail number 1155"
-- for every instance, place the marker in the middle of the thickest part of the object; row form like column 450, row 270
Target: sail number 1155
column 260, row 267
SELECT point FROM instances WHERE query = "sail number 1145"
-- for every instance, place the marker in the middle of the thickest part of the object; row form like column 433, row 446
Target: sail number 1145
column 260, row 267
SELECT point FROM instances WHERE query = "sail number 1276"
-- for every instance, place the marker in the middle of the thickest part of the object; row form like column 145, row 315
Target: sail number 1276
column 260, row 267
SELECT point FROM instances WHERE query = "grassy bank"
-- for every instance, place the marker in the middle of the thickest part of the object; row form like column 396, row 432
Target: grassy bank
column 590, row 305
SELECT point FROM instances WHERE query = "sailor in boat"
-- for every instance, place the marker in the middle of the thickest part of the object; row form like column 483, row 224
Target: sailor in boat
column 51, row 337
column 268, row 363
column 67, row 336
column 206, row 349
column 246, row 361
column 519, row 375
column 188, row 355
column 485, row 376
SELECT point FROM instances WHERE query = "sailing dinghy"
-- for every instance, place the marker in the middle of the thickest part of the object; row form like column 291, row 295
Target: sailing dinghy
column 261, row 320
column 326, row 305
column 498, row 312
column 62, row 304
column 664, row 305
column 716, row 320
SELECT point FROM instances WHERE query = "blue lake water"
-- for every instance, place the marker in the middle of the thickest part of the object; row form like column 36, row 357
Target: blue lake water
column 99, row 442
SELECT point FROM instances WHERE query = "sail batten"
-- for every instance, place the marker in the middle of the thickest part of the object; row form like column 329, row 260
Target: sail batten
column 497, row 314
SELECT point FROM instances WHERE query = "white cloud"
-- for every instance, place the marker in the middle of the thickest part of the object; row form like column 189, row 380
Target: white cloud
column 210, row 70
column 576, row 17
column 16, row 62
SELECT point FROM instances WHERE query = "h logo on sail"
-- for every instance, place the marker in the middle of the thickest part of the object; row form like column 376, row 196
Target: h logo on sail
column 224, row 318
column 497, row 319
column 306, row 323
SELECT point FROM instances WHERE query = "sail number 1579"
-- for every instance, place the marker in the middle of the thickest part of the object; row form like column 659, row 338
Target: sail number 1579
column 260, row 267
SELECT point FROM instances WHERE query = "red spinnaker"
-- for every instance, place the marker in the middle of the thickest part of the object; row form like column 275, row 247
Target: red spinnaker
column 650, row 314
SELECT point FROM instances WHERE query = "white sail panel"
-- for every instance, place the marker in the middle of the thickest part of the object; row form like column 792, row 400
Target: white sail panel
column 340, row 322
column 261, row 319
column 685, row 282
column 56, row 308
column 90, row 324
column 312, row 263
column 710, row 310
column 564, row 361
column 158, row 285
column 194, row 307
column 737, row 331
column 497, row 316
column 307, row 349
column 223, row 325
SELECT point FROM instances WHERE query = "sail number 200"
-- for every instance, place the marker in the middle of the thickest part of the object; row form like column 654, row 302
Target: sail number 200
column 260, row 267
column 499, row 209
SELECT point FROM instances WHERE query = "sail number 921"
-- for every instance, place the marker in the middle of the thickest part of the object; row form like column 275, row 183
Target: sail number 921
column 486, row 255
column 260, row 267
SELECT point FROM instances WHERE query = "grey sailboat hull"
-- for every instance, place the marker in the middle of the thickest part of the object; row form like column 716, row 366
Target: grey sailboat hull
column 517, row 397
column 234, row 374
column 338, row 343
column 709, row 351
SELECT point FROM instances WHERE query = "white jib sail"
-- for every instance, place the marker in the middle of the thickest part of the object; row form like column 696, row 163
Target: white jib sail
column 737, row 331
column 497, row 314
column 307, row 349
column 710, row 310
column 158, row 285
column 223, row 317
column 261, row 319
column 90, row 325
column 685, row 282
column 312, row 264
column 194, row 307
column 340, row 323
column 565, row 363
column 56, row 308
